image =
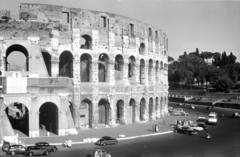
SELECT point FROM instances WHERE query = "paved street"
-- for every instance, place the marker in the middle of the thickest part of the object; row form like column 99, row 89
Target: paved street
column 225, row 139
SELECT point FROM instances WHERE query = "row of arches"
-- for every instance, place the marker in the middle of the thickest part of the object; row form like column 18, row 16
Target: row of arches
column 66, row 68
column 19, row 114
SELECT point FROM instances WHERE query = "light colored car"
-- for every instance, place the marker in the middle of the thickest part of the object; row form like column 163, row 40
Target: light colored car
column 196, row 127
column 100, row 153
column 212, row 118
column 16, row 149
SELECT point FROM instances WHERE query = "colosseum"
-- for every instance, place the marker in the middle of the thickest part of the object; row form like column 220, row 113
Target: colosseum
column 82, row 69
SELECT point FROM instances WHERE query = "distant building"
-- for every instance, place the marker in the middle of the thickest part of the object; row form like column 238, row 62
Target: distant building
column 84, row 69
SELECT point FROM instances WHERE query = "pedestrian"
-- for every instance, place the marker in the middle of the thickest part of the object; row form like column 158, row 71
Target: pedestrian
column 69, row 143
column 65, row 144
column 156, row 128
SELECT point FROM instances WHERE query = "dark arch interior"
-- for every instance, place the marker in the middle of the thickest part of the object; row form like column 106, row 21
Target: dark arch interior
column 47, row 60
column 102, row 67
column 66, row 64
column 89, row 112
column 142, row 109
column 142, row 49
column 48, row 117
column 18, row 116
column 18, row 48
column 120, row 111
column 85, row 67
column 88, row 42
column 104, row 112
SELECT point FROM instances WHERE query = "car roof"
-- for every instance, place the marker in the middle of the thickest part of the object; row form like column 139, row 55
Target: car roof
column 41, row 143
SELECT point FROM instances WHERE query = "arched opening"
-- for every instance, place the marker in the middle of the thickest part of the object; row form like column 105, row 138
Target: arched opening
column 142, row 71
column 103, row 62
column 132, row 67
column 72, row 112
column 16, row 58
column 150, row 112
column 47, row 61
column 142, row 109
column 66, row 64
column 48, row 118
column 86, row 67
column 104, row 112
column 142, row 49
column 18, row 116
column 118, row 67
column 120, row 112
column 156, row 107
column 150, row 72
column 132, row 104
column 86, row 42
column 157, row 71
column 86, row 114
column 161, row 107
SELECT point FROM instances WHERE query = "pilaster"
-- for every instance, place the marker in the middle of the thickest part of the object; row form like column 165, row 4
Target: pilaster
column 55, row 67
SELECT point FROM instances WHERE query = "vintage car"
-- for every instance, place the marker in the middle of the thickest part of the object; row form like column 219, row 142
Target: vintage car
column 36, row 150
column 203, row 125
column 5, row 146
column 196, row 127
column 106, row 140
column 184, row 129
column 51, row 148
column 212, row 118
column 16, row 149
column 100, row 153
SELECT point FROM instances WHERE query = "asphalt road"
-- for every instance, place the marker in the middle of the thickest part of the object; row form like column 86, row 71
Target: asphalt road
column 225, row 141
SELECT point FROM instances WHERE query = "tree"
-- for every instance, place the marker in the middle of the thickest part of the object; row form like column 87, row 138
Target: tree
column 231, row 58
column 197, row 52
column 224, row 60
column 170, row 59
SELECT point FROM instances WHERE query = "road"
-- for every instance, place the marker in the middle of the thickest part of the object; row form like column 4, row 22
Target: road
column 225, row 141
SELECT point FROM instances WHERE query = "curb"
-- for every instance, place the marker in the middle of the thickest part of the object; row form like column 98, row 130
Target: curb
column 124, row 138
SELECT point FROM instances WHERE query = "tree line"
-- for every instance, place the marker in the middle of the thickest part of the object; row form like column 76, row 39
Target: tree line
column 217, row 70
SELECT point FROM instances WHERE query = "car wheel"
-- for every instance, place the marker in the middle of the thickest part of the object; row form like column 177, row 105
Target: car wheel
column 12, row 153
column 46, row 153
column 104, row 144
column 30, row 154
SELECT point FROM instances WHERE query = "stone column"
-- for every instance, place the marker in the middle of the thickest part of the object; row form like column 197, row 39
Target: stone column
column 153, row 73
column 55, row 67
column 95, row 111
column 136, row 72
column 76, row 71
column 95, row 71
column 125, row 72
column 146, row 73
column 137, row 110
column 111, row 72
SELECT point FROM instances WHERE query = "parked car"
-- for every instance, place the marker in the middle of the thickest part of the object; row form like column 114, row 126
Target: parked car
column 196, row 127
column 212, row 118
column 16, row 149
column 51, row 148
column 106, row 140
column 36, row 150
column 209, row 107
column 185, row 129
column 100, row 153
column 5, row 146
column 203, row 125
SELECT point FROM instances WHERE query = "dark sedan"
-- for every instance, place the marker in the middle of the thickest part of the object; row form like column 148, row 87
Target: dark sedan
column 36, row 150
column 106, row 140
column 203, row 125
column 16, row 149
column 51, row 148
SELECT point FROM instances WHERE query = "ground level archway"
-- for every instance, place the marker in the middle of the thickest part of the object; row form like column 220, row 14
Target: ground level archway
column 48, row 118
column 18, row 116
column 142, row 109
column 104, row 112
column 150, row 110
column 132, row 104
column 120, row 112
column 86, row 114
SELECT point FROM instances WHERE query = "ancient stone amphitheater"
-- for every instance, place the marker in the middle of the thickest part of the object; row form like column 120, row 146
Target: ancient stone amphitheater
column 79, row 69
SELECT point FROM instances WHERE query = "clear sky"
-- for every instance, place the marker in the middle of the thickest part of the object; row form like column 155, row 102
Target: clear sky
column 207, row 25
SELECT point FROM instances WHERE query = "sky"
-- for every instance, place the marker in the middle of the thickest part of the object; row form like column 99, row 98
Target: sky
column 212, row 26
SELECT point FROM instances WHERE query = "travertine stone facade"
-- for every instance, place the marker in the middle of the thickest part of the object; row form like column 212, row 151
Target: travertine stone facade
column 83, row 69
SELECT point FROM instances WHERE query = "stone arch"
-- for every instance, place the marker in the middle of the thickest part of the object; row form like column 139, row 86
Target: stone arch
column 15, row 52
column 161, row 65
column 132, row 104
column 142, row 109
column 119, row 62
column 103, row 69
column 150, row 71
column 47, row 60
column 48, row 117
column 66, row 64
column 120, row 112
column 142, row 49
column 132, row 67
column 150, row 109
column 18, row 115
column 86, row 114
column 86, row 42
column 142, row 71
column 86, row 66
column 157, row 107
column 157, row 71
column 104, row 110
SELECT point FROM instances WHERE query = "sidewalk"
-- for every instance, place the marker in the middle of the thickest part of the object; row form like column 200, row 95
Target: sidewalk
column 130, row 131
